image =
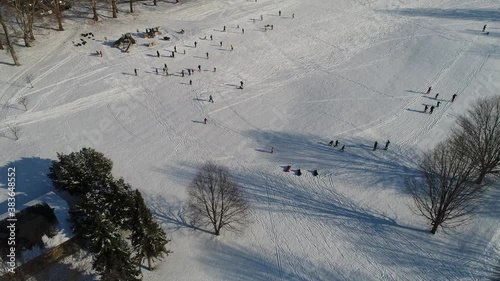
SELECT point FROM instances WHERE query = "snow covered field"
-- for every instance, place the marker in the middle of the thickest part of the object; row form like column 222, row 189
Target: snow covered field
column 352, row 70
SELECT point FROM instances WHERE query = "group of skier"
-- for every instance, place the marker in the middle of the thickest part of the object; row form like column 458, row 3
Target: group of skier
column 432, row 107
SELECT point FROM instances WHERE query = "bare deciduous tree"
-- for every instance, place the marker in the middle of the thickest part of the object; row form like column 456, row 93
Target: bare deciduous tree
column 114, row 8
column 10, row 47
column 24, row 102
column 480, row 130
column 216, row 200
column 29, row 79
column 447, row 196
column 15, row 130
column 25, row 15
column 93, row 5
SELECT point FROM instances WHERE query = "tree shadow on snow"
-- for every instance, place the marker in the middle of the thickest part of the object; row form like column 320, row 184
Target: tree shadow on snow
column 171, row 213
column 462, row 14
column 381, row 168
column 31, row 179
column 251, row 264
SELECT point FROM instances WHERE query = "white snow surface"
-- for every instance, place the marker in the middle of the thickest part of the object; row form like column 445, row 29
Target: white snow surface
column 352, row 70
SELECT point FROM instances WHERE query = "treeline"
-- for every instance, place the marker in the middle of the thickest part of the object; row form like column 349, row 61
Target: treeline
column 20, row 16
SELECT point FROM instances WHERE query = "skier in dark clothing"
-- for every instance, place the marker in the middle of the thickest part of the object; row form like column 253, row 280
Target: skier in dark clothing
column 207, row 55
column 330, row 143
column 315, row 172
column 453, row 97
column 165, row 66
column 336, row 143
column 220, row 44
column 428, row 90
column 195, row 43
column 432, row 109
column 279, row 13
column 210, row 99
column 299, row 173
column 190, row 82
column 175, row 49
column 241, row 84
column 224, row 28
column 157, row 53
column 205, row 120
column 484, row 27
column 215, row 69
column 425, row 109
column 342, row 149
column 242, row 31
column 199, row 67
column 437, row 105
column 156, row 71
column 211, row 38
column 173, row 54
column 387, row 144
column 375, row 145
column 182, row 73
column 189, row 71
column 135, row 71
column 436, row 96
column 272, row 149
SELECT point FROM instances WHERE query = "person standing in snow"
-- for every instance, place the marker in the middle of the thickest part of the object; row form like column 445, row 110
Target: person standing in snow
column 279, row 13
column 425, row 109
column 205, row 120
column 220, row 44
column 342, row 149
column 211, row 38
column 182, row 73
column 293, row 16
column 375, row 146
column 232, row 47
column 207, row 55
column 336, row 143
column 190, row 82
column 175, row 49
column 210, row 99
column 387, row 145
column 428, row 90
column 432, row 109
column 330, row 143
column 199, row 67
column 484, row 27
column 135, row 71
column 453, row 97
column 157, row 53
column 173, row 54
column 241, row 84
column 189, row 71
column 436, row 96
column 195, row 43
column 224, row 28
column 156, row 71
column 165, row 66
column 272, row 149
column 261, row 17
column 242, row 31
column 215, row 69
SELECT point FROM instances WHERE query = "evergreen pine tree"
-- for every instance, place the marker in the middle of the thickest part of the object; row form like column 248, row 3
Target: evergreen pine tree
column 78, row 172
column 148, row 238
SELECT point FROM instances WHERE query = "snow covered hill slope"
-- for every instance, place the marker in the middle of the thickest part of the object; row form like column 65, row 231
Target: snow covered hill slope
column 356, row 71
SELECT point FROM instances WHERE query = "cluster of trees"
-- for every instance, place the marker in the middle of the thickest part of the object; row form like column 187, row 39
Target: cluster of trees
column 109, row 215
column 24, row 13
column 454, row 171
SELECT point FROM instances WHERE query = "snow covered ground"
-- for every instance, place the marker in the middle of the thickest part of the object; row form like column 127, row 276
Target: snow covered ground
column 355, row 71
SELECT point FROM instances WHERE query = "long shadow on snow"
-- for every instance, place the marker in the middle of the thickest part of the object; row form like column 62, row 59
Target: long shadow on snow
column 313, row 198
column 249, row 264
column 463, row 14
column 30, row 177
column 380, row 168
